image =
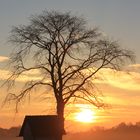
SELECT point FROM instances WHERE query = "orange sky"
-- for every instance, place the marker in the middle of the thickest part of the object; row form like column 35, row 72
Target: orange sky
column 121, row 91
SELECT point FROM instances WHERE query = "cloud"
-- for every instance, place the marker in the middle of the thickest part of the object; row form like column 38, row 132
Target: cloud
column 30, row 76
column 119, row 79
column 134, row 66
column 3, row 58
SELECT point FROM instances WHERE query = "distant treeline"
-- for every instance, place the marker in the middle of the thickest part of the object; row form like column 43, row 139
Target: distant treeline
column 122, row 127
column 122, row 131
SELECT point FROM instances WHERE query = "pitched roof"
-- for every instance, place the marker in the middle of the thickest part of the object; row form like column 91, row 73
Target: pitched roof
column 42, row 125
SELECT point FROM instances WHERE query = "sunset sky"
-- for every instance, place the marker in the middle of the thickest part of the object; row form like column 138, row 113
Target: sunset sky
column 120, row 20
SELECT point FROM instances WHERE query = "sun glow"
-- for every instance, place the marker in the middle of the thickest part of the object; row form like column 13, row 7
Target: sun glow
column 85, row 116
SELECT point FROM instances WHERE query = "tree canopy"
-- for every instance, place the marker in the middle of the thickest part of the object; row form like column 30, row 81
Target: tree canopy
column 68, row 54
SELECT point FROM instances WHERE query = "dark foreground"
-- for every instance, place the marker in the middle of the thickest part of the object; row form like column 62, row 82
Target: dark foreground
column 121, row 132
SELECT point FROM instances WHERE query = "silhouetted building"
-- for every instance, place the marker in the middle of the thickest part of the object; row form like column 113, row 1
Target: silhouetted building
column 41, row 128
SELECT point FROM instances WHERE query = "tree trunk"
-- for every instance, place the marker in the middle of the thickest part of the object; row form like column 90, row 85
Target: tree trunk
column 60, row 113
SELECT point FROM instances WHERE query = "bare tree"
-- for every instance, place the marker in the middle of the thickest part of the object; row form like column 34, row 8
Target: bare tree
column 67, row 53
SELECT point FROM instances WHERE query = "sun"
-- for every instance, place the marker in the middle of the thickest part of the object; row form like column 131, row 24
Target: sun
column 85, row 116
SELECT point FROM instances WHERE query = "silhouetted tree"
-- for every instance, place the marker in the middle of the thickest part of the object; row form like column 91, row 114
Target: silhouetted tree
column 67, row 53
